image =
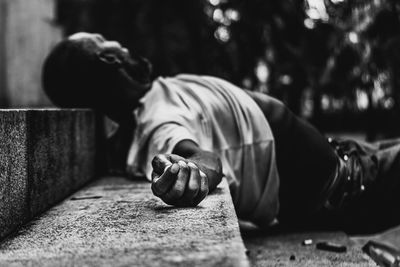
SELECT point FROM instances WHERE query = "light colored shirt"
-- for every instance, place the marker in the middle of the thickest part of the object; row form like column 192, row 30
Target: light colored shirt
column 221, row 118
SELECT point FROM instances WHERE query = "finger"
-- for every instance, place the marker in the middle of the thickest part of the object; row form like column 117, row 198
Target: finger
column 155, row 176
column 162, row 184
column 177, row 190
column 175, row 158
column 203, row 189
column 193, row 186
column 160, row 163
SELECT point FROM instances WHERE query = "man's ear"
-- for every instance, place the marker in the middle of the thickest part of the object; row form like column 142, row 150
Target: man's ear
column 109, row 58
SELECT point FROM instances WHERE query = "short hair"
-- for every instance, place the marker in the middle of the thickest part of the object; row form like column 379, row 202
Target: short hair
column 74, row 77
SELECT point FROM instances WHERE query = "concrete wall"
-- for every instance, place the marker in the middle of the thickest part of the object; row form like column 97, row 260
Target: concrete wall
column 45, row 155
column 27, row 32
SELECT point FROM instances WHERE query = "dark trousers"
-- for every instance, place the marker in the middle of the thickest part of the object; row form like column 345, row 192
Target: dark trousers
column 307, row 163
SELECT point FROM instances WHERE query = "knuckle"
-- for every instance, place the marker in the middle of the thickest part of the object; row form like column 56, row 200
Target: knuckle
column 202, row 175
column 176, row 158
column 183, row 166
column 193, row 166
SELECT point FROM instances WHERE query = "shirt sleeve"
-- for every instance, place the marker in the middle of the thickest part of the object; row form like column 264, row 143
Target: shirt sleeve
column 163, row 141
column 256, row 196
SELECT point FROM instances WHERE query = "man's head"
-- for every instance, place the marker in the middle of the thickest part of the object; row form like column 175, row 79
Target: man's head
column 85, row 70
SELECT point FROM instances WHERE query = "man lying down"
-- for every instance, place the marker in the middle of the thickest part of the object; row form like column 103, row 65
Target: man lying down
column 186, row 132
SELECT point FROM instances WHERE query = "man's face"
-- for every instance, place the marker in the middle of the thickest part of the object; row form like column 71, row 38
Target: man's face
column 112, row 52
column 136, row 73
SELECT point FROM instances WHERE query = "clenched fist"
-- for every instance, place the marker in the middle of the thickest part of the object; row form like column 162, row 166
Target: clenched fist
column 178, row 181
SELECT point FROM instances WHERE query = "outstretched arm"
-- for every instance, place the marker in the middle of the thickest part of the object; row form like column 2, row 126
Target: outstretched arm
column 185, row 177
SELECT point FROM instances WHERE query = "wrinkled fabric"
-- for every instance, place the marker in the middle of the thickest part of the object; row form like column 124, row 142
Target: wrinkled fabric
column 376, row 207
column 221, row 118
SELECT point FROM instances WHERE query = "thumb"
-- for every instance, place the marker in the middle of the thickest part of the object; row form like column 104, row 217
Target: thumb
column 160, row 163
column 161, row 185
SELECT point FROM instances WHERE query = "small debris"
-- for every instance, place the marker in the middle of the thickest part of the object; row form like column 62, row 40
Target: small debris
column 382, row 254
column 307, row 242
column 85, row 197
column 292, row 257
column 333, row 247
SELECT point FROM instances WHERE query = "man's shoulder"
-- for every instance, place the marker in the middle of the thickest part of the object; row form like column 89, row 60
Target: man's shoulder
column 207, row 81
column 197, row 77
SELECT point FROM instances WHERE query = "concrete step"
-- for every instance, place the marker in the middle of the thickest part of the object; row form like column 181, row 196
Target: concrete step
column 45, row 155
column 118, row 222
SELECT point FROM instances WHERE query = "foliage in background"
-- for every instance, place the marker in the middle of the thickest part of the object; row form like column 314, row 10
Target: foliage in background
column 335, row 62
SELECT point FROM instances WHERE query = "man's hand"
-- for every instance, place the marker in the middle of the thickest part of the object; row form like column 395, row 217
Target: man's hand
column 178, row 181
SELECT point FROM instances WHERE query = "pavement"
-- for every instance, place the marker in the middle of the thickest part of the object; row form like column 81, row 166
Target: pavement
column 286, row 248
column 118, row 222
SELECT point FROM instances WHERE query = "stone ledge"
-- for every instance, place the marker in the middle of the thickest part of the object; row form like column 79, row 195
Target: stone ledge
column 45, row 155
column 117, row 222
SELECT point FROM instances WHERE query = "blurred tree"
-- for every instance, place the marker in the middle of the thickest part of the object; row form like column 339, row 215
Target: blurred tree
column 327, row 59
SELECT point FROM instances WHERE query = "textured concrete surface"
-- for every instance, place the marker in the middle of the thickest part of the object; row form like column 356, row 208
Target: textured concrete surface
column 45, row 155
column 117, row 222
column 390, row 237
column 13, row 171
column 286, row 249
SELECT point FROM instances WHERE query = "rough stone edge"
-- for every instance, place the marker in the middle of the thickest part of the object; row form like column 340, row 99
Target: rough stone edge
column 74, row 180
column 20, row 214
column 229, row 252
column 27, row 216
column 241, row 259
